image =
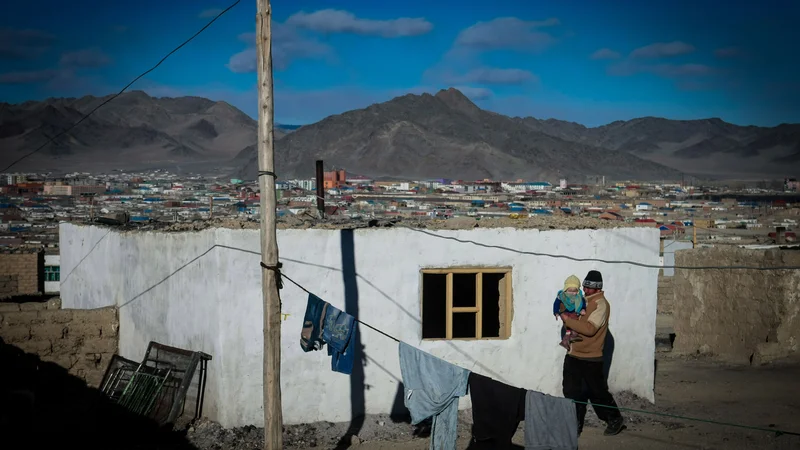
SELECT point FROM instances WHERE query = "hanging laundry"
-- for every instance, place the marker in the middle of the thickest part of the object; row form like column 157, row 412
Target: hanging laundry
column 324, row 323
column 550, row 423
column 313, row 322
column 497, row 410
column 340, row 334
column 432, row 389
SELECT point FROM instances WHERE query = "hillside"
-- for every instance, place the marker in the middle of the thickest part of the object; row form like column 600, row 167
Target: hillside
column 709, row 147
column 419, row 136
column 446, row 135
column 134, row 131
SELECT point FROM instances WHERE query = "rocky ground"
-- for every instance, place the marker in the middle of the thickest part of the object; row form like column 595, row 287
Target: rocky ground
column 303, row 221
column 767, row 397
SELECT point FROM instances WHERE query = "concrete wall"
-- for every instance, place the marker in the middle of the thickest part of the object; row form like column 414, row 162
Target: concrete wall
column 24, row 268
column 212, row 302
column 670, row 247
column 666, row 295
column 740, row 316
column 81, row 341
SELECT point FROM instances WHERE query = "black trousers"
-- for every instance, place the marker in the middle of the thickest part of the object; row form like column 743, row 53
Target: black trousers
column 580, row 373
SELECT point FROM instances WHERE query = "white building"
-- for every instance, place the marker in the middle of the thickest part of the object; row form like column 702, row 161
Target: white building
column 214, row 304
column 308, row 185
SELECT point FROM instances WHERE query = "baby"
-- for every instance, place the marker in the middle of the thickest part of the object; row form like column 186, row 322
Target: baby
column 570, row 301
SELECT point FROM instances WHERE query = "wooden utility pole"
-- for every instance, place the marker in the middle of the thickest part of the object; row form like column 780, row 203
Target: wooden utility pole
column 273, row 415
column 320, row 189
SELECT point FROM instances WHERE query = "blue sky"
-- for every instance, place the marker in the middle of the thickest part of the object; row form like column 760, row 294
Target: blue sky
column 587, row 61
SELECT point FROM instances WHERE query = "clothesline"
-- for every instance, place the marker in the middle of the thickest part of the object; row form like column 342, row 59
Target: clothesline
column 283, row 275
column 777, row 432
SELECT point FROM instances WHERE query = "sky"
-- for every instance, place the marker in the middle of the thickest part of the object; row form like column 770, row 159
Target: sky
column 586, row 61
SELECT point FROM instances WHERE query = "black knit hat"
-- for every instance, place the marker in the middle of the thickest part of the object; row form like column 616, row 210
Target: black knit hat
column 593, row 280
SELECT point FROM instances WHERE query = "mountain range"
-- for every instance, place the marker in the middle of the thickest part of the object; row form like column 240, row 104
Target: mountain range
column 415, row 136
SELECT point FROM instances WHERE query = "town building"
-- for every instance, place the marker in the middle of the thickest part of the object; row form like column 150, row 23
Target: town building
column 335, row 179
column 214, row 304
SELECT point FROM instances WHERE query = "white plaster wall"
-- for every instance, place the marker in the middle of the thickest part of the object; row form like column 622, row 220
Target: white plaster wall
column 214, row 305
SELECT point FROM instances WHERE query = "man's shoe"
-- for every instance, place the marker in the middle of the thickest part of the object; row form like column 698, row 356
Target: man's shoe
column 615, row 427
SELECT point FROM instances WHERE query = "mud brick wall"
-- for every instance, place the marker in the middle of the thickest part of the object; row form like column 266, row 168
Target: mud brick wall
column 739, row 316
column 81, row 341
column 666, row 295
column 9, row 285
column 27, row 268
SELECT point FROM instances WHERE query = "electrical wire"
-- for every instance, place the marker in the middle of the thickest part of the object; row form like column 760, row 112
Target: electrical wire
column 86, row 116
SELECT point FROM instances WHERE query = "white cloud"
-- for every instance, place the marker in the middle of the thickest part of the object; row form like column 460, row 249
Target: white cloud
column 507, row 33
column 287, row 45
column 491, row 75
column 605, row 53
column 628, row 68
column 210, row 12
column 90, row 58
column 338, row 21
column 663, row 49
column 728, row 52
column 28, row 76
column 27, row 44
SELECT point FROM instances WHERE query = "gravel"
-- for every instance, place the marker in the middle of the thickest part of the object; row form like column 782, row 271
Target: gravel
column 206, row 435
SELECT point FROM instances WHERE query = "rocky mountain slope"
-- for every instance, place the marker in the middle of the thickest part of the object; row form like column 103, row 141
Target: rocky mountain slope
column 705, row 147
column 446, row 135
column 132, row 131
column 420, row 136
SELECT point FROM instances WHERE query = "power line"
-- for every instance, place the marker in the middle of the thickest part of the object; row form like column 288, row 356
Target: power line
column 86, row 116
column 777, row 432
column 605, row 261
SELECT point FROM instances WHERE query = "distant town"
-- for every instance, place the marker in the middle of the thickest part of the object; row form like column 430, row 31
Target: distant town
column 33, row 205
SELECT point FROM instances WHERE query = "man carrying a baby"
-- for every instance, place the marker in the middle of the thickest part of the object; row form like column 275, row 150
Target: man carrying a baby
column 584, row 361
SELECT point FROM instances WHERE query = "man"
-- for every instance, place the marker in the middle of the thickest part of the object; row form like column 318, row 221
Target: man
column 584, row 362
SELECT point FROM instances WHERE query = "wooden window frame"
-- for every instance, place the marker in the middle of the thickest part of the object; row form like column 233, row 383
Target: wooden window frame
column 506, row 307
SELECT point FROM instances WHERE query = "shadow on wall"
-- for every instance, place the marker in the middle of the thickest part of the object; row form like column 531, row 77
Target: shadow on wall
column 358, row 386
column 42, row 406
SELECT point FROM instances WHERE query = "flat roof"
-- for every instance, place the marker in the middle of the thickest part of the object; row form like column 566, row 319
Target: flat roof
column 334, row 223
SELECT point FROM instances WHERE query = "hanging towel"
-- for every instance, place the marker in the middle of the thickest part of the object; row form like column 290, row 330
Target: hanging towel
column 550, row 423
column 339, row 333
column 497, row 409
column 311, row 336
column 432, row 388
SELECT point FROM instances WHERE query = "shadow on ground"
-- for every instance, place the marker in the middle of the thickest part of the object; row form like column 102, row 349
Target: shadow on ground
column 42, row 406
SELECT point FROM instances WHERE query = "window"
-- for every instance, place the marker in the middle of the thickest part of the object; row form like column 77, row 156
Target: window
column 52, row 273
column 466, row 303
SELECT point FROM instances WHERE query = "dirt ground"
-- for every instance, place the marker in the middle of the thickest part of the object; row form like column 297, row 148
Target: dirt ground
column 767, row 396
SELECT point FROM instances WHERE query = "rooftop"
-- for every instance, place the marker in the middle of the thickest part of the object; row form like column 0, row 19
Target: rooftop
column 458, row 223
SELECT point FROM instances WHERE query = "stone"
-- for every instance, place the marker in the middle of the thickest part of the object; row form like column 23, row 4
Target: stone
column 99, row 346
column 54, row 303
column 56, row 315
column 37, row 347
column 83, row 330
column 49, row 331
column 22, row 318
column 32, row 306
column 15, row 334
column 9, row 307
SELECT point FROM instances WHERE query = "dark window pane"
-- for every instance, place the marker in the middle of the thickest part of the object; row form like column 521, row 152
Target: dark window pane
column 434, row 306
